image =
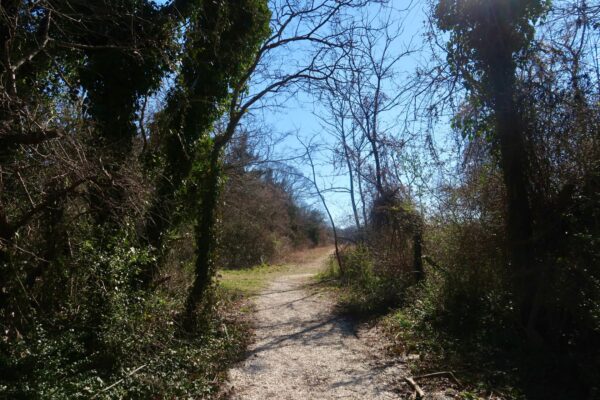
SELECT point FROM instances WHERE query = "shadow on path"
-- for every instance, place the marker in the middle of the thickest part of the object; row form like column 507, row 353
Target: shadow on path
column 303, row 350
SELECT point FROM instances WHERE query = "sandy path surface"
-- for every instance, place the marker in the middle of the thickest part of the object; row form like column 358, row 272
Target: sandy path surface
column 302, row 350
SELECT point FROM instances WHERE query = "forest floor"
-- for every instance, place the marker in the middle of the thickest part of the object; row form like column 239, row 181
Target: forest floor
column 303, row 349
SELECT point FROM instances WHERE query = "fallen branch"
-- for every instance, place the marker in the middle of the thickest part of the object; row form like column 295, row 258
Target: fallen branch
column 434, row 264
column 441, row 373
column 416, row 388
column 119, row 381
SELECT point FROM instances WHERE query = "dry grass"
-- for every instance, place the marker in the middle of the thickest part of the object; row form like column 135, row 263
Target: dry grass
column 252, row 280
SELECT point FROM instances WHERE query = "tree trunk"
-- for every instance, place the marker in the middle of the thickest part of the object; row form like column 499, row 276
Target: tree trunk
column 331, row 221
column 205, row 221
column 159, row 220
column 361, row 192
column 351, row 179
column 510, row 129
column 378, row 172
column 205, row 236
column 374, row 141
column 335, row 236
column 418, row 254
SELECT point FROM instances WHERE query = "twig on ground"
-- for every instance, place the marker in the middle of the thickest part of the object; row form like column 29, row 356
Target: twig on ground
column 441, row 373
column 226, row 332
column 416, row 388
column 119, row 381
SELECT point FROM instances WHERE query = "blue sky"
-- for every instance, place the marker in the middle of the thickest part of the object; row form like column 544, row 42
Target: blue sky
column 298, row 117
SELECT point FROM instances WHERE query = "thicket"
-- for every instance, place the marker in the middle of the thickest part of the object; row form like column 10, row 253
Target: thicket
column 116, row 170
column 509, row 279
column 101, row 178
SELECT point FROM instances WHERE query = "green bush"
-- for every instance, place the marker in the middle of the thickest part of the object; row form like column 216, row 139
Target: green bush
column 105, row 330
column 466, row 290
column 368, row 290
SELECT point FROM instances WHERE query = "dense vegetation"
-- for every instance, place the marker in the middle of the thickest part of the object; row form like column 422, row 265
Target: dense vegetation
column 129, row 174
column 111, row 164
column 509, row 285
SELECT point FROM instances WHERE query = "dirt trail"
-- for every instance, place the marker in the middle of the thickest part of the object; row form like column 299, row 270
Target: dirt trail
column 302, row 350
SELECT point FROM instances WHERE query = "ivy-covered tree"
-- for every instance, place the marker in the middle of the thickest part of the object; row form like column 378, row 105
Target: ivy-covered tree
column 83, row 199
column 220, row 42
column 488, row 41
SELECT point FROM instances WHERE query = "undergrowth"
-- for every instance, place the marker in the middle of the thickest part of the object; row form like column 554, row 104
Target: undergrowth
column 143, row 357
column 461, row 319
column 109, row 339
column 362, row 292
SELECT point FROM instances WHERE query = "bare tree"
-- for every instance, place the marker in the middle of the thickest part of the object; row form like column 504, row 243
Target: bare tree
column 338, row 122
column 362, row 101
column 309, row 148
column 373, row 62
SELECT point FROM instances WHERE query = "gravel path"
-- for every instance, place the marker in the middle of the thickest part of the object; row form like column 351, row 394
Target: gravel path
column 302, row 350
